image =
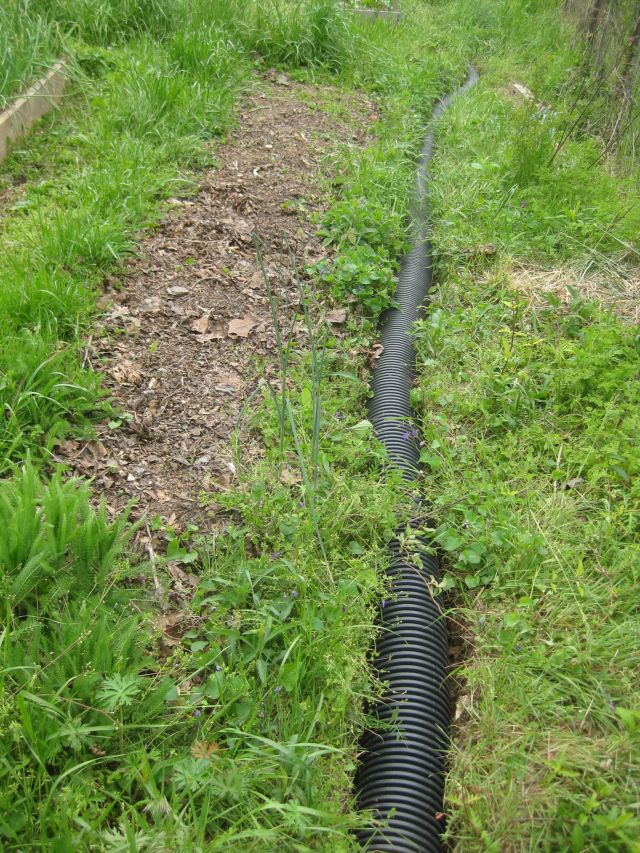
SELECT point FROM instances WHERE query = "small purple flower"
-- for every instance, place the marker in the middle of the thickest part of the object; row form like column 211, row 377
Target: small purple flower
column 277, row 689
column 518, row 647
column 218, row 668
column 197, row 712
column 410, row 433
column 294, row 593
column 344, row 608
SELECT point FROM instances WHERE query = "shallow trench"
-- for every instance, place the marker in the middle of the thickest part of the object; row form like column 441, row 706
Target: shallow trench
column 402, row 769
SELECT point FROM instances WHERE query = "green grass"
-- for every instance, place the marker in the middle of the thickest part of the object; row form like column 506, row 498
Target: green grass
column 243, row 736
column 27, row 48
column 107, row 22
column 498, row 185
column 529, row 422
column 242, row 733
column 514, row 405
column 512, row 172
column 124, row 143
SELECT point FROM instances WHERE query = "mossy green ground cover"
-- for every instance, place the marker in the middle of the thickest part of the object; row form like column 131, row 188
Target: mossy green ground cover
column 246, row 737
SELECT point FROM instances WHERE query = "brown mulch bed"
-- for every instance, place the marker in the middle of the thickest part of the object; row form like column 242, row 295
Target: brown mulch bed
column 189, row 337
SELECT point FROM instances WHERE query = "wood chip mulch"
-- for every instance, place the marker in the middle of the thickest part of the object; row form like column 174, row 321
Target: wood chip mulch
column 188, row 338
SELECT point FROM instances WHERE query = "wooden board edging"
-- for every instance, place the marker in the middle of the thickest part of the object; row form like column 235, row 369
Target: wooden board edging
column 378, row 13
column 35, row 103
column 392, row 14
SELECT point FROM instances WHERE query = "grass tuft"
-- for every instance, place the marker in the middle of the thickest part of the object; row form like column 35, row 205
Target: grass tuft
column 27, row 47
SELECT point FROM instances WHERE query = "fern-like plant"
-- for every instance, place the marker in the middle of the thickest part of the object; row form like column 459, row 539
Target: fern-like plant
column 54, row 542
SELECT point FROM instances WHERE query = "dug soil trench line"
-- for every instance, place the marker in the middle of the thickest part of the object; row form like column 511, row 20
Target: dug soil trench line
column 189, row 337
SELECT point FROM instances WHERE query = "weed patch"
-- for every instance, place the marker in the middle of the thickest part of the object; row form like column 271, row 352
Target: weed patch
column 529, row 420
column 244, row 734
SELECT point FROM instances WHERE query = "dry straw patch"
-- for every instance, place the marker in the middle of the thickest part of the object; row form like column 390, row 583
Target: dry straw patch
column 616, row 290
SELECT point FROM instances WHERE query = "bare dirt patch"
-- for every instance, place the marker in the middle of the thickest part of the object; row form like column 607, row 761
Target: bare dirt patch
column 189, row 338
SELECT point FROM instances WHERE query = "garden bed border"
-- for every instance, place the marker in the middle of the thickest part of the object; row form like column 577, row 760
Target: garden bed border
column 392, row 14
column 36, row 102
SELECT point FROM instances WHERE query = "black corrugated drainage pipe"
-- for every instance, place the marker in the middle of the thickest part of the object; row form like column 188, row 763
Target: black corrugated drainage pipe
column 401, row 775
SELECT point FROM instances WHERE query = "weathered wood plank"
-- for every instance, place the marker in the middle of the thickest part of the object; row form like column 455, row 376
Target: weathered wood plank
column 35, row 103
column 390, row 14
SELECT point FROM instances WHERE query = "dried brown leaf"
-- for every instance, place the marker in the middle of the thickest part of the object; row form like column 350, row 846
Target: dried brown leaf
column 241, row 328
column 173, row 626
column 205, row 749
column 201, row 324
column 337, row 316
column 375, row 352
column 152, row 305
column 181, row 576
column 522, row 90
column 126, row 373
column 257, row 280
column 289, row 477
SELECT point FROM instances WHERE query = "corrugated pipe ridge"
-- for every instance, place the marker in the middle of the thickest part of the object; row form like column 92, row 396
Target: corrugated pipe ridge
column 401, row 774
